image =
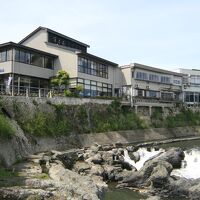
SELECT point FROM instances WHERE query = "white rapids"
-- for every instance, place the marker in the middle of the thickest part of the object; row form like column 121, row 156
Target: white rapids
column 144, row 156
column 190, row 165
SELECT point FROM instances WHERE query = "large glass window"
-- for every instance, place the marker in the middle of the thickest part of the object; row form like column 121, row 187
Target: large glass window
column 154, row 77
column 37, row 60
column 94, row 88
column 93, row 68
column 142, row 75
column 48, row 63
column 3, row 56
column 34, row 59
column 167, row 96
column 165, row 79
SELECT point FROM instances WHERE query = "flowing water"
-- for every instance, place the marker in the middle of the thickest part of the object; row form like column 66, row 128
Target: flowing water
column 190, row 167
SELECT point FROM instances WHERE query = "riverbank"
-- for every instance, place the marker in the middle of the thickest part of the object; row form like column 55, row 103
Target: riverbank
column 84, row 174
column 21, row 145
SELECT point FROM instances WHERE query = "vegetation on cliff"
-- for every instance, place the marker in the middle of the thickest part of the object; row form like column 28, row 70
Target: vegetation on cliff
column 47, row 119
column 89, row 118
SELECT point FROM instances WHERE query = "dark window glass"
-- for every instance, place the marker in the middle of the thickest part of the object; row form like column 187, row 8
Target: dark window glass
column 90, row 67
column 9, row 54
column 17, row 58
column 48, row 63
column 53, row 38
column 37, row 60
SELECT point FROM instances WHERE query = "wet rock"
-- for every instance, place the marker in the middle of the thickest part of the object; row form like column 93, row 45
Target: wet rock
column 174, row 156
column 107, row 147
column 127, row 166
column 96, row 159
column 159, row 176
column 134, row 156
column 112, row 172
column 118, row 145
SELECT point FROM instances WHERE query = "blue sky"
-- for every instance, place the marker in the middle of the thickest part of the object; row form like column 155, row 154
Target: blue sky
column 159, row 33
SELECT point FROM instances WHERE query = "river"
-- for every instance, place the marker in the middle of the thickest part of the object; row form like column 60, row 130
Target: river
column 192, row 161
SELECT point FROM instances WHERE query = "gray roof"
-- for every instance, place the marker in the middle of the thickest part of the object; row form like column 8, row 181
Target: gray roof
column 154, row 69
column 54, row 32
column 12, row 44
column 87, row 55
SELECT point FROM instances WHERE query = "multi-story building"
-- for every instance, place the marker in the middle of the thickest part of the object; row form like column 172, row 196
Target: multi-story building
column 35, row 59
column 191, row 86
column 153, row 85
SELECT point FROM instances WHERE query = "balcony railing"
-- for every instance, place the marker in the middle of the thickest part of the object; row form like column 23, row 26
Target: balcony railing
column 28, row 91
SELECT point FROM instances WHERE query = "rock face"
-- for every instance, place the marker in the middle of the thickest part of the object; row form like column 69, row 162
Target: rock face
column 82, row 173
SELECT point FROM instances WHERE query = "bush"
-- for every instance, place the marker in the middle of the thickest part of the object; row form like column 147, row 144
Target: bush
column 6, row 129
column 67, row 93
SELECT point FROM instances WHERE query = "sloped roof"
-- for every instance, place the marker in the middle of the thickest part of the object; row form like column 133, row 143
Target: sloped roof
column 54, row 32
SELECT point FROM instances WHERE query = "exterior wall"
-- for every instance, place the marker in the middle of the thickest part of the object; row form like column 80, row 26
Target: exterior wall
column 190, row 89
column 126, row 75
column 6, row 67
column 30, row 70
column 68, row 60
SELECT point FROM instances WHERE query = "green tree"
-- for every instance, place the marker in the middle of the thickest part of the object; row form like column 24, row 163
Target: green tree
column 61, row 79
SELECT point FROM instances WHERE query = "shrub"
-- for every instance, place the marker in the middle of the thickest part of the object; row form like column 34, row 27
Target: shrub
column 6, row 129
column 67, row 93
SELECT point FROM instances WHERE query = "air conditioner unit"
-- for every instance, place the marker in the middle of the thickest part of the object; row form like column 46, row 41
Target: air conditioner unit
column 147, row 87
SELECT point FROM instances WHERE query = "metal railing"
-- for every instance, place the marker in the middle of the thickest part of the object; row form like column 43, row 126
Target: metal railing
column 28, row 91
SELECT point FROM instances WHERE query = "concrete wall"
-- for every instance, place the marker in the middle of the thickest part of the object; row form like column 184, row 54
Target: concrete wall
column 58, row 100
column 126, row 76
column 136, row 136
column 6, row 67
column 30, row 70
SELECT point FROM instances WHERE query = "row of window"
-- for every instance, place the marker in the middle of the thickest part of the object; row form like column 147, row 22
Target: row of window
column 155, row 78
column 94, row 88
column 155, row 94
column 193, row 97
column 27, row 58
column 53, row 38
column 34, row 59
column 195, row 80
column 93, row 68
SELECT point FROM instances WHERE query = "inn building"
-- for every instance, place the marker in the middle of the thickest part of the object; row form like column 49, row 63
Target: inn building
column 191, row 86
column 150, row 86
column 32, row 62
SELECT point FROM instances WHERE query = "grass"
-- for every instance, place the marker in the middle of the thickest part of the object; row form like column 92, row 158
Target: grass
column 6, row 173
column 43, row 176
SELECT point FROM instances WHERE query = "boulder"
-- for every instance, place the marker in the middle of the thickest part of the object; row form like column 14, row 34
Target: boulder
column 174, row 156
column 82, row 167
column 96, row 159
column 134, row 156
column 68, row 159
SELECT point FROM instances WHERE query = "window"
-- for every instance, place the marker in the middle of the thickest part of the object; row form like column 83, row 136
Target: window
column 56, row 39
column 48, row 63
column 165, row 79
column 141, row 76
column 93, row 68
column 3, row 56
column 152, row 94
column 195, row 80
column 166, row 96
column 34, row 59
column 94, row 88
column 177, row 82
column 37, row 60
column 154, row 77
